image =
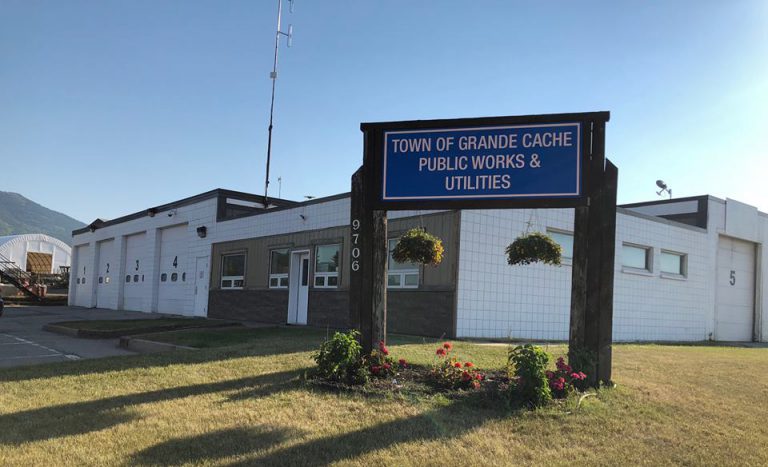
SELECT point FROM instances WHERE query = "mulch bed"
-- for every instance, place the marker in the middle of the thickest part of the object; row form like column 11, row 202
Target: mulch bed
column 415, row 380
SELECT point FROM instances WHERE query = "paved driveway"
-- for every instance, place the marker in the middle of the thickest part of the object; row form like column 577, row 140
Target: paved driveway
column 23, row 341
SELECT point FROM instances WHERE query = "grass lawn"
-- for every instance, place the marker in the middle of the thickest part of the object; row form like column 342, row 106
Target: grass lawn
column 224, row 337
column 246, row 405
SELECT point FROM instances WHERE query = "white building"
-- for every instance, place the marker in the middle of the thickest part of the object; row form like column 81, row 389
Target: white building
column 686, row 269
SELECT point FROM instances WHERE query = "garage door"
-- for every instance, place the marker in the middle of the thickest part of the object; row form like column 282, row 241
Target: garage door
column 173, row 296
column 83, row 289
column 106, row 287
column 136, row 295
column 734, row 315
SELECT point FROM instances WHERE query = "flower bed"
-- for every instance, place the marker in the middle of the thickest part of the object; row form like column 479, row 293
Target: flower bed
column 526, row 382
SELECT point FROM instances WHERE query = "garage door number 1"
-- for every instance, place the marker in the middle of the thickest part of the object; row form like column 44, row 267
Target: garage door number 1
column 733, row 277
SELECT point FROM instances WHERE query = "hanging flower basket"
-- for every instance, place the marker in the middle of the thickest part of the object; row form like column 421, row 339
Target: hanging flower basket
column 418, row 246
column 533, row 248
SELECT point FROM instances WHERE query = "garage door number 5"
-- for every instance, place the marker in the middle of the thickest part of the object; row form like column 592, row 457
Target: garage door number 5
column 733, row 277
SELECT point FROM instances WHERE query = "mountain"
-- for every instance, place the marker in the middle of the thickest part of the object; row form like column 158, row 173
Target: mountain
column 18, row 215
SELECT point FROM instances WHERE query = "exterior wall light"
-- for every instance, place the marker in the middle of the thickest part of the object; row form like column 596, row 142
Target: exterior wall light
column 202, row 231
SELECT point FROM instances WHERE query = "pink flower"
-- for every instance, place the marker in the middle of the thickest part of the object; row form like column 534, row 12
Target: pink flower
column 448, row 346
column 465, row 376
column 468, row 365
column 457, row 365
column 440, row 351
column 575, row 376
column 475, row 385
column 479, row 376
column 387, row 366
column 375, row 369
column 582, row 376
column 402, row 362
column 549, row 374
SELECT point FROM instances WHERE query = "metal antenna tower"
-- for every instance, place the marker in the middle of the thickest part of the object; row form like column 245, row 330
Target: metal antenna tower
column 273, row 76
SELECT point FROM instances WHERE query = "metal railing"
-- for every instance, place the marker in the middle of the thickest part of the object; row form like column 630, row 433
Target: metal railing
column 11, row 273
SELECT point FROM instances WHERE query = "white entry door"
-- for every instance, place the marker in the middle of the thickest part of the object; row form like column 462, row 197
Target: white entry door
column 735, row 290
column 201, row 286
column 298, row 288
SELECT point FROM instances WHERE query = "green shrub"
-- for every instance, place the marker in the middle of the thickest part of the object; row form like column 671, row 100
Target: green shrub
column 418, row 246
column 340, row 359
column 528, row 378
column 532, row 248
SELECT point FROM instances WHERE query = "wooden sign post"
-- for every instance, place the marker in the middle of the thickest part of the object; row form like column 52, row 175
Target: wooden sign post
column 536, row 161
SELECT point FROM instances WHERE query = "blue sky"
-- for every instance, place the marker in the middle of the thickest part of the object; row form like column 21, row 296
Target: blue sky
column 109, row 107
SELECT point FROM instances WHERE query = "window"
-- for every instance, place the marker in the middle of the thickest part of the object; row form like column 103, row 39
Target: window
column 327, row 261
column 279, row 261
column 401, row 275
column 636, row 257
column 565, row 240
column 233, row 271
column 673, row 263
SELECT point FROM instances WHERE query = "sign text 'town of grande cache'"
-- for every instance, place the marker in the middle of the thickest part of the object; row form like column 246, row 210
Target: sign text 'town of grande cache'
column 515, row 161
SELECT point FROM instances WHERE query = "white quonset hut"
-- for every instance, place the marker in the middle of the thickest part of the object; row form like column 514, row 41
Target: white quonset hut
column 686, row 269
column 36, row 253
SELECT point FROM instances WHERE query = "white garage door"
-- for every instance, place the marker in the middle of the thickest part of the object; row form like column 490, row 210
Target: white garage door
column 173, row 294
column 106, row 287
column 83, row 289
column 136, row 295
column 735, row 290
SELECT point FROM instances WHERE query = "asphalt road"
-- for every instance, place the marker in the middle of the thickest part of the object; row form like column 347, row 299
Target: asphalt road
column 23, row 341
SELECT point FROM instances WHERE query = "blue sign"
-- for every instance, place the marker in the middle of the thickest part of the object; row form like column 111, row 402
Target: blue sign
column 498, row 162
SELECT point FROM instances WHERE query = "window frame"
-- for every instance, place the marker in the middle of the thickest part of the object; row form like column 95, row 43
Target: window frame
column 648, row 270
column 550, row 230
column 683, row 273
column 327, row 275
column 278, row 277
column 401, row 274
column 232, row 279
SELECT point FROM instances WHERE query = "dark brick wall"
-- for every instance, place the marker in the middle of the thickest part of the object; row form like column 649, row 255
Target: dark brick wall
column 266, row 306
column 421, row 313
column 328, row 309
column 416, row 312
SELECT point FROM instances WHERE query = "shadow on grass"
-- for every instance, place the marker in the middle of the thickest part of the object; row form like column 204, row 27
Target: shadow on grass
column 212, row 446
column 270, row 341
column 85, row 417
column 446, row 422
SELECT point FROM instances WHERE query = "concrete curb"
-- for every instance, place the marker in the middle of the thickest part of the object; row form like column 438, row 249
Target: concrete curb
column 61, row 330
column 146, row 346
column 114, row 334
